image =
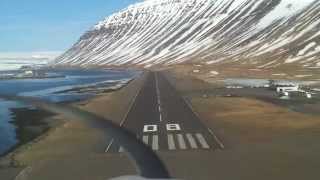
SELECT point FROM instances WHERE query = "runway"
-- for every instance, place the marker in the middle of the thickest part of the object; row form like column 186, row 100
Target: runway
column 165, row 121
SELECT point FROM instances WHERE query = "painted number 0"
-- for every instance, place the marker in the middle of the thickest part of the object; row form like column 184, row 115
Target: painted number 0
column 150, row 128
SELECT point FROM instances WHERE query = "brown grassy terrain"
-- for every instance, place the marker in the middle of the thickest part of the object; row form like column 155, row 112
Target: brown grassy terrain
column 288, row 72
column 244, row 120
column 263, row 140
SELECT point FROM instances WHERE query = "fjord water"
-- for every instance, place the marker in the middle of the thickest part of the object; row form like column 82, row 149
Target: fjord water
column 47, row 89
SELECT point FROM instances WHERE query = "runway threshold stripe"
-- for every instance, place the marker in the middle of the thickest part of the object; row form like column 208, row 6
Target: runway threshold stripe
column 181, row 142
column 202, row 141
column 155, row 142
column 192, row 141
column 171, row 144
column 121, row 150
column 145, row 139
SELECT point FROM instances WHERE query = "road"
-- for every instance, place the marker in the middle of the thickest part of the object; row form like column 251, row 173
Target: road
column 163, row 120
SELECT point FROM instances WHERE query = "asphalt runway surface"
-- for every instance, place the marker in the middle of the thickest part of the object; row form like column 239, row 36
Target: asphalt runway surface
column 165, row 121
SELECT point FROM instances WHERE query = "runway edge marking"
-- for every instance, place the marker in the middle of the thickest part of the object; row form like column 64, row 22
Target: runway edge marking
column 222, row 146
column 23, row 174
column 210, row 130
column 127, row 113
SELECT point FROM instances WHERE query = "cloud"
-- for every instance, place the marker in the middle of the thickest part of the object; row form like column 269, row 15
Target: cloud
column 48, row 55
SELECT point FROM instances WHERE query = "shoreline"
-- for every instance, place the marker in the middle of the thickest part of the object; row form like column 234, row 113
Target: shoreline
column 18, row 157
column 54, row 121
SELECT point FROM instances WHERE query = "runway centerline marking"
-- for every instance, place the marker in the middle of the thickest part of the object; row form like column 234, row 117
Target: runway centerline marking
column 158, row 97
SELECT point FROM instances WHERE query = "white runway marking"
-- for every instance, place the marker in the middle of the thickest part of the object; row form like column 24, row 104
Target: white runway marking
column 155, row 142
column 217, row 139
column 173, row 127
column 175, row 142
column 171, row 144
column 158, row 97
column 202, row 141
column 109, row 146
column 181, row 142
column 150, row 128
column 192, row 141
column 121, row 150
column 145, row 139
column 160, row 117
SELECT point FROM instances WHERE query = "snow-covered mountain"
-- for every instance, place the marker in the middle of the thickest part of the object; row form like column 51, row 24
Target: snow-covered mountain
column 262, row 33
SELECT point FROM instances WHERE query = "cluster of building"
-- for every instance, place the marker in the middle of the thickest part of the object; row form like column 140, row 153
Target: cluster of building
column 27, row 72
column 290, row 89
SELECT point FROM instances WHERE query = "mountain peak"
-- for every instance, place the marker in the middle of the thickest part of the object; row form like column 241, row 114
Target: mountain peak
column 263, row 33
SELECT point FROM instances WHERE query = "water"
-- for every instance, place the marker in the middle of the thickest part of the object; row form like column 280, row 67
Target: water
column 50, row 89
column 7, row 137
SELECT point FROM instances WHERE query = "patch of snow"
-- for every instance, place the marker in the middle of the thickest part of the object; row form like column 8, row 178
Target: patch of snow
column 280, row 74
column 255, row 70
column 302, row 76
column 237, row 4
column 267, row 64
column 292, row 59
column 305, row 49
column 168, row 32
column 214, row 72
column 285, row 9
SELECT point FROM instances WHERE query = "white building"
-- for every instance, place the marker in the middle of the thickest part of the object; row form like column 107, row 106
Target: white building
column 283, row 89
column 309, row 95
column 28, row 72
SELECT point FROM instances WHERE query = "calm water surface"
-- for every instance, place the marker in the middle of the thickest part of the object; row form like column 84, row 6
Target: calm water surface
column 48, row 89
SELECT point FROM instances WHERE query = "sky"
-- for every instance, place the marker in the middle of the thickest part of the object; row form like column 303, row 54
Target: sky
column 50, row 25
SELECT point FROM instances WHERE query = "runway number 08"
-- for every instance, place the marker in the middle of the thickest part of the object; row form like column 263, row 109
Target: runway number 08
column 154, row 128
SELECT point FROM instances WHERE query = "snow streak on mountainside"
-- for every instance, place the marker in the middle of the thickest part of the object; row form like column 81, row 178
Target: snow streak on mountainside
column 263, row 33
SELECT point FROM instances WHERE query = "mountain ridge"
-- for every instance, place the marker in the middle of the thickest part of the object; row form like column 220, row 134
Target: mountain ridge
column 262, row 33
